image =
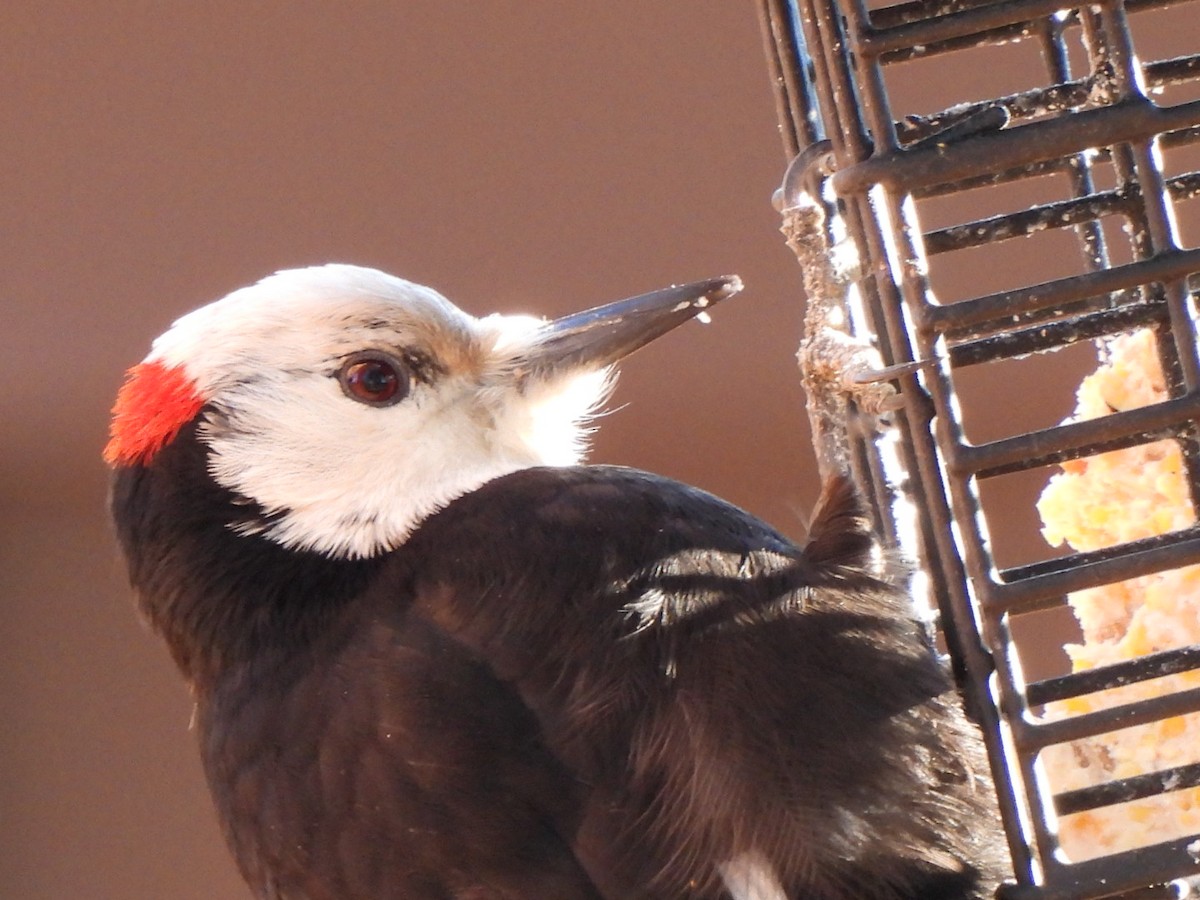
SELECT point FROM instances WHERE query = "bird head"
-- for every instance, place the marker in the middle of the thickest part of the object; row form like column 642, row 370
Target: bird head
column 342, row 405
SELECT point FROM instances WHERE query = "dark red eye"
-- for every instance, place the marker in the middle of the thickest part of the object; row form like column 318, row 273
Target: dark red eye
column 374, row 378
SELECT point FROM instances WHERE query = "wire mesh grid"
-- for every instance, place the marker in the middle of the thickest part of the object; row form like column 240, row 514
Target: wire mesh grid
column 1094, row 157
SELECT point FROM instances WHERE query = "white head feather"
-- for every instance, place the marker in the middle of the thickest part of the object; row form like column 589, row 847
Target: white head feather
column 348, row 479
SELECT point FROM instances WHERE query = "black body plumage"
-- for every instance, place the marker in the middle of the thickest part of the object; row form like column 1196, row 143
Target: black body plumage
column 586, row 682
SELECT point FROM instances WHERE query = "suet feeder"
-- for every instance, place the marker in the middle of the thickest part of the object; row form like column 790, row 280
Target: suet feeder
column 1068, row 195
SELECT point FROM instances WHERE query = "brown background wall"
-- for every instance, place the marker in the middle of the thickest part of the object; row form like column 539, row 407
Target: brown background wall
column 532, row 156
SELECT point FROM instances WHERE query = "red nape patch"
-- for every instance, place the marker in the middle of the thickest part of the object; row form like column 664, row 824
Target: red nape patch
column 153, row 404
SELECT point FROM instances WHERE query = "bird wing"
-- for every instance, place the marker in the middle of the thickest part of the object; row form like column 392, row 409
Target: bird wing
column 723, row 694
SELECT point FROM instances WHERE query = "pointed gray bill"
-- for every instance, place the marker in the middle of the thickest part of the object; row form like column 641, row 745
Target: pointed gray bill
column 599, row 337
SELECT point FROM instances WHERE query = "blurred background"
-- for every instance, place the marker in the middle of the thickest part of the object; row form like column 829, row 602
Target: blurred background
column 519, row 156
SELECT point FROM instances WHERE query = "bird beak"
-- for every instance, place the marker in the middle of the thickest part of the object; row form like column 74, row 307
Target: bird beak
column 597, row 338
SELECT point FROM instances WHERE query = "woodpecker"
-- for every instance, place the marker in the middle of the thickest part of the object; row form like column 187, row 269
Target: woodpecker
column 435, row 657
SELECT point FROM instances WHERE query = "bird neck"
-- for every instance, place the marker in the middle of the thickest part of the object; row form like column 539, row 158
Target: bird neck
column 220, row 598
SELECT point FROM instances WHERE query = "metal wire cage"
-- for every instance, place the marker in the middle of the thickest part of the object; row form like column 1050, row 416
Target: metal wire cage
column 1096, row 149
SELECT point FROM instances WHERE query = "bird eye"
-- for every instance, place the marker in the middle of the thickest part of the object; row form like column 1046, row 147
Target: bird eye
column 374, row 378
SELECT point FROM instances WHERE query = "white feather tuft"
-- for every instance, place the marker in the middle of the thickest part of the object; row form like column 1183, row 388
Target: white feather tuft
column 749, row 876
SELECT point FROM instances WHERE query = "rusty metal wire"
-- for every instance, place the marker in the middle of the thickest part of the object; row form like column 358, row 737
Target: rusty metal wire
column 1095, row 119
